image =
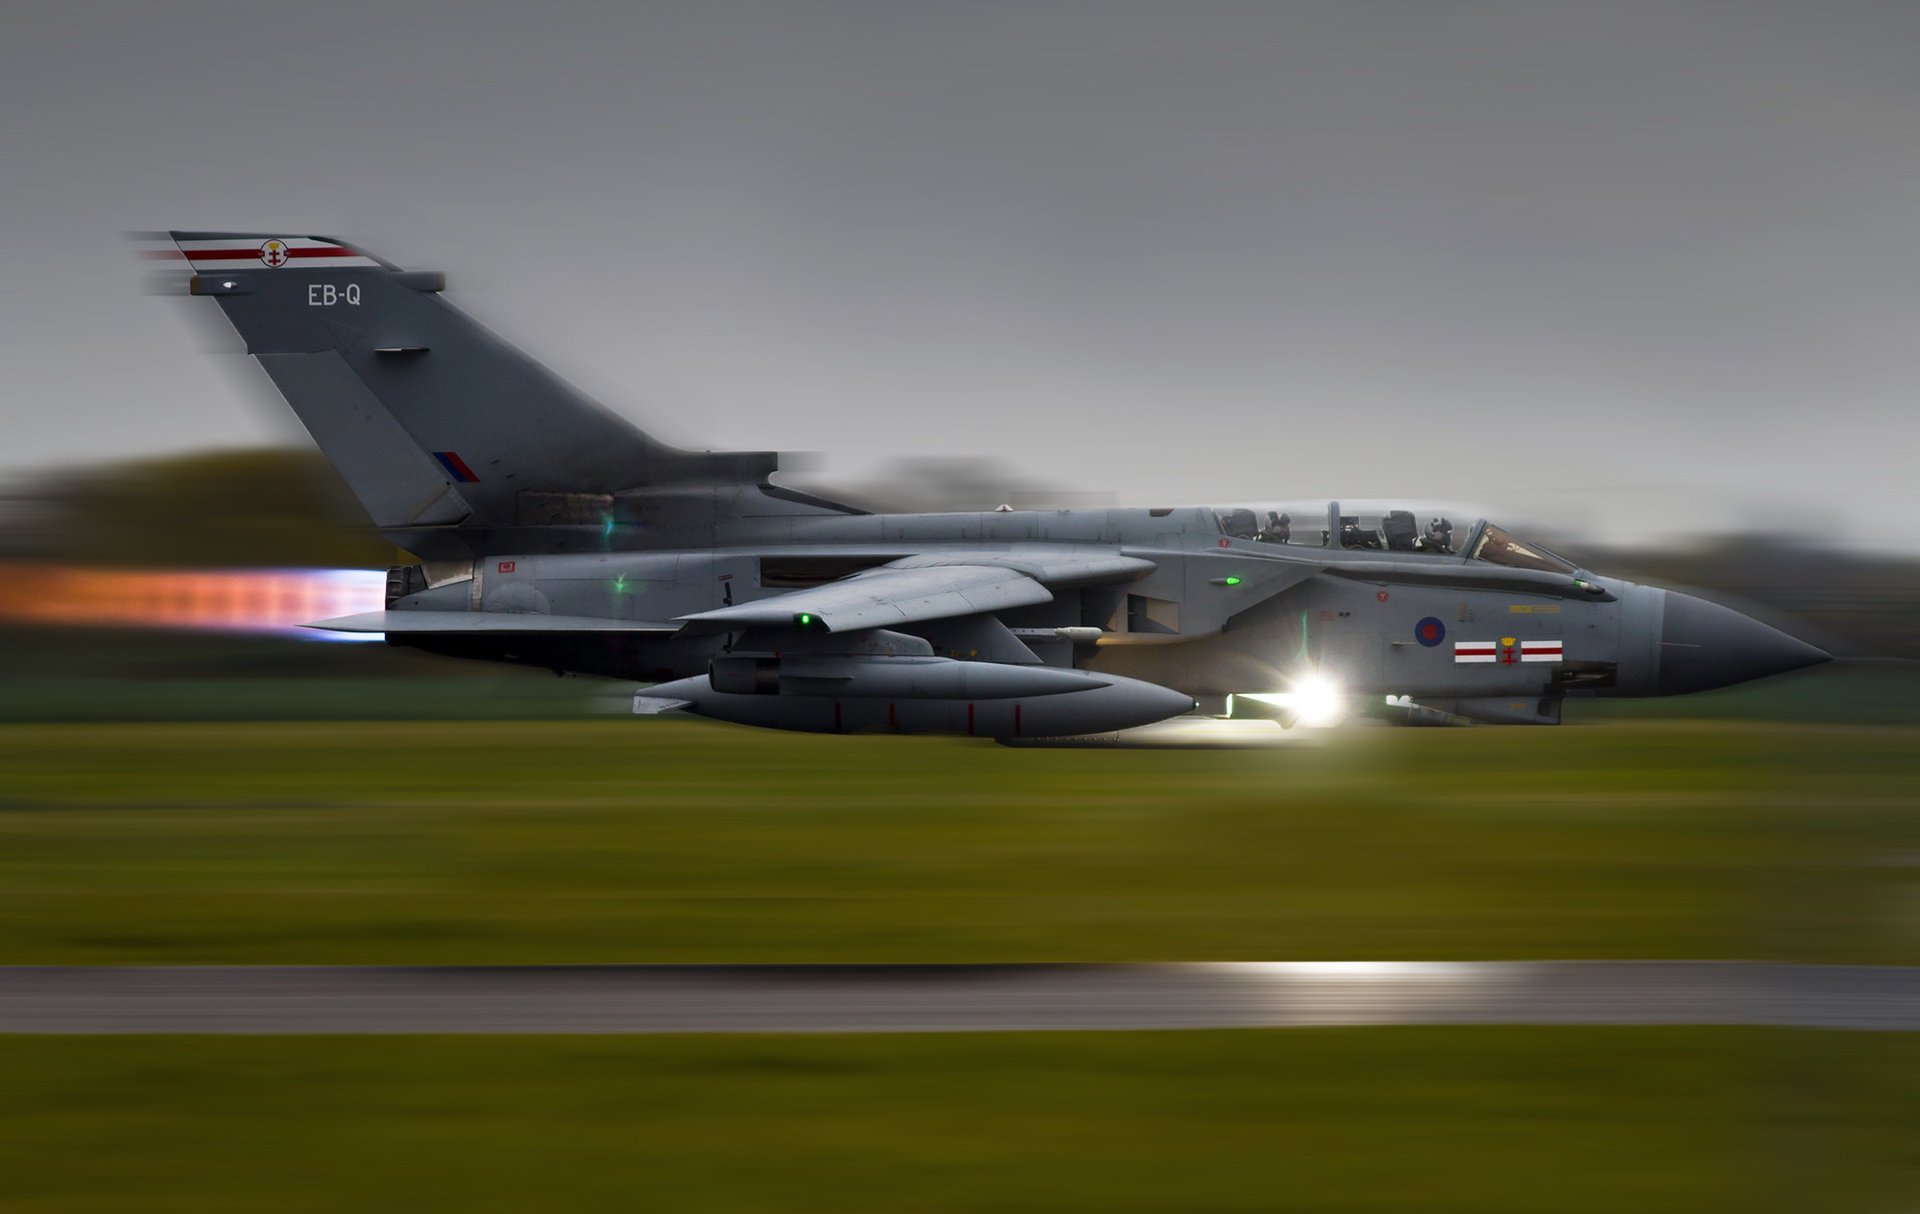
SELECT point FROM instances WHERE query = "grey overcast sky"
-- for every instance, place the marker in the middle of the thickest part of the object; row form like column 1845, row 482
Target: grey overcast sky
column 1616, row 266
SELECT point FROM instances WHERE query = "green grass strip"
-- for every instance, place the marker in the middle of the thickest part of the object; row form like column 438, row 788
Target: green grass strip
column 1480, row 1120
column 618, row 841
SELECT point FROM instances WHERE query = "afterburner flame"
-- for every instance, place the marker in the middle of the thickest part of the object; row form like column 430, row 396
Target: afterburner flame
column 272, row 601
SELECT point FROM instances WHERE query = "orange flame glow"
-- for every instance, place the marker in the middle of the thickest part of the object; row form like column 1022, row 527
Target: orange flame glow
column 228, row 600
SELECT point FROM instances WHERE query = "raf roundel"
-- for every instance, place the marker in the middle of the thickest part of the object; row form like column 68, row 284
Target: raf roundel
column 274, row 253
column 1430, row 632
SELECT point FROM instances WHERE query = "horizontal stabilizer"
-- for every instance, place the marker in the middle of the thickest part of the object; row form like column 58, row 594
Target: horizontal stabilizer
column 481, row 621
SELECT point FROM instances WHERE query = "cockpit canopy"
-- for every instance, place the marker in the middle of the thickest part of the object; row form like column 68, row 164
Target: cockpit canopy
column 1388, row 530
column 1498, row 547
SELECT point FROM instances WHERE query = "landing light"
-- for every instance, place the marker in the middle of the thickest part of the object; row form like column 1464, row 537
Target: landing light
column 1318, row 701
column 1313, row 700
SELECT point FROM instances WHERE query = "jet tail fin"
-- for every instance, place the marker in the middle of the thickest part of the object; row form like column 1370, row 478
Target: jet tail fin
column 433, row 421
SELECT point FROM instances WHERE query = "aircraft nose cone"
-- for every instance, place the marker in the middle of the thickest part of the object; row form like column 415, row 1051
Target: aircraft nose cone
column 1704, row 645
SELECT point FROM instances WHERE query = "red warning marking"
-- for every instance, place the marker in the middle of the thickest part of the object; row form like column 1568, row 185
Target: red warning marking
column 260, row 252
column 506, row 566
column 457, row 467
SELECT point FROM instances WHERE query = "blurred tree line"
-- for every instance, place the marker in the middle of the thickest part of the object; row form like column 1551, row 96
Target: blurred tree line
column 1853, row 604
column 220, row 509
column 288, row 508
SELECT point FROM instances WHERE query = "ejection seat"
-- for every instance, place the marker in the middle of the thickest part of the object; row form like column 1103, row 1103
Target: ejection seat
column 1239, row 524
column 1400, row 530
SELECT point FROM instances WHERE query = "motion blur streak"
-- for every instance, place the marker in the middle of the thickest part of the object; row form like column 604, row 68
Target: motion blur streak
column 943, row 998
column 1464, row 971
column 275, row 601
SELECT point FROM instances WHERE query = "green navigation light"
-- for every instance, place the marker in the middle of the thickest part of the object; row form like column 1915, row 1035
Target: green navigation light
column 1233, row 581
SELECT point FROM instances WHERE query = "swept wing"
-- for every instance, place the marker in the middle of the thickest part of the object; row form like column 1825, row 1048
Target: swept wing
column 929, row 586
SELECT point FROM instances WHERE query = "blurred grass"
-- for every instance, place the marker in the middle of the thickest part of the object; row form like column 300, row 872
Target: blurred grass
column 511, row 695
column 107, row 675
column 628, row 841
column 1377, row 1119
column 88, row 674
column 75, row 674
column 1840, row 694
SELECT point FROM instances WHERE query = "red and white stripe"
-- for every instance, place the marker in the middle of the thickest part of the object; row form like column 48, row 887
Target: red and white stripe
column 1540, row 651
column 1476, row 651
column 243, row 253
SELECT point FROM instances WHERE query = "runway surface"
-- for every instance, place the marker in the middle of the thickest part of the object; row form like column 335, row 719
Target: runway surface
column 946, row 998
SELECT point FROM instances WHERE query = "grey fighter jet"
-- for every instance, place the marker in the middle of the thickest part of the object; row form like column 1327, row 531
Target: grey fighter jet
column 552, row 533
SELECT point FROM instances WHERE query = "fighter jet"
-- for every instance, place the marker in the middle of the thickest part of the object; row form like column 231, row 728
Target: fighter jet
column 551, row 532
